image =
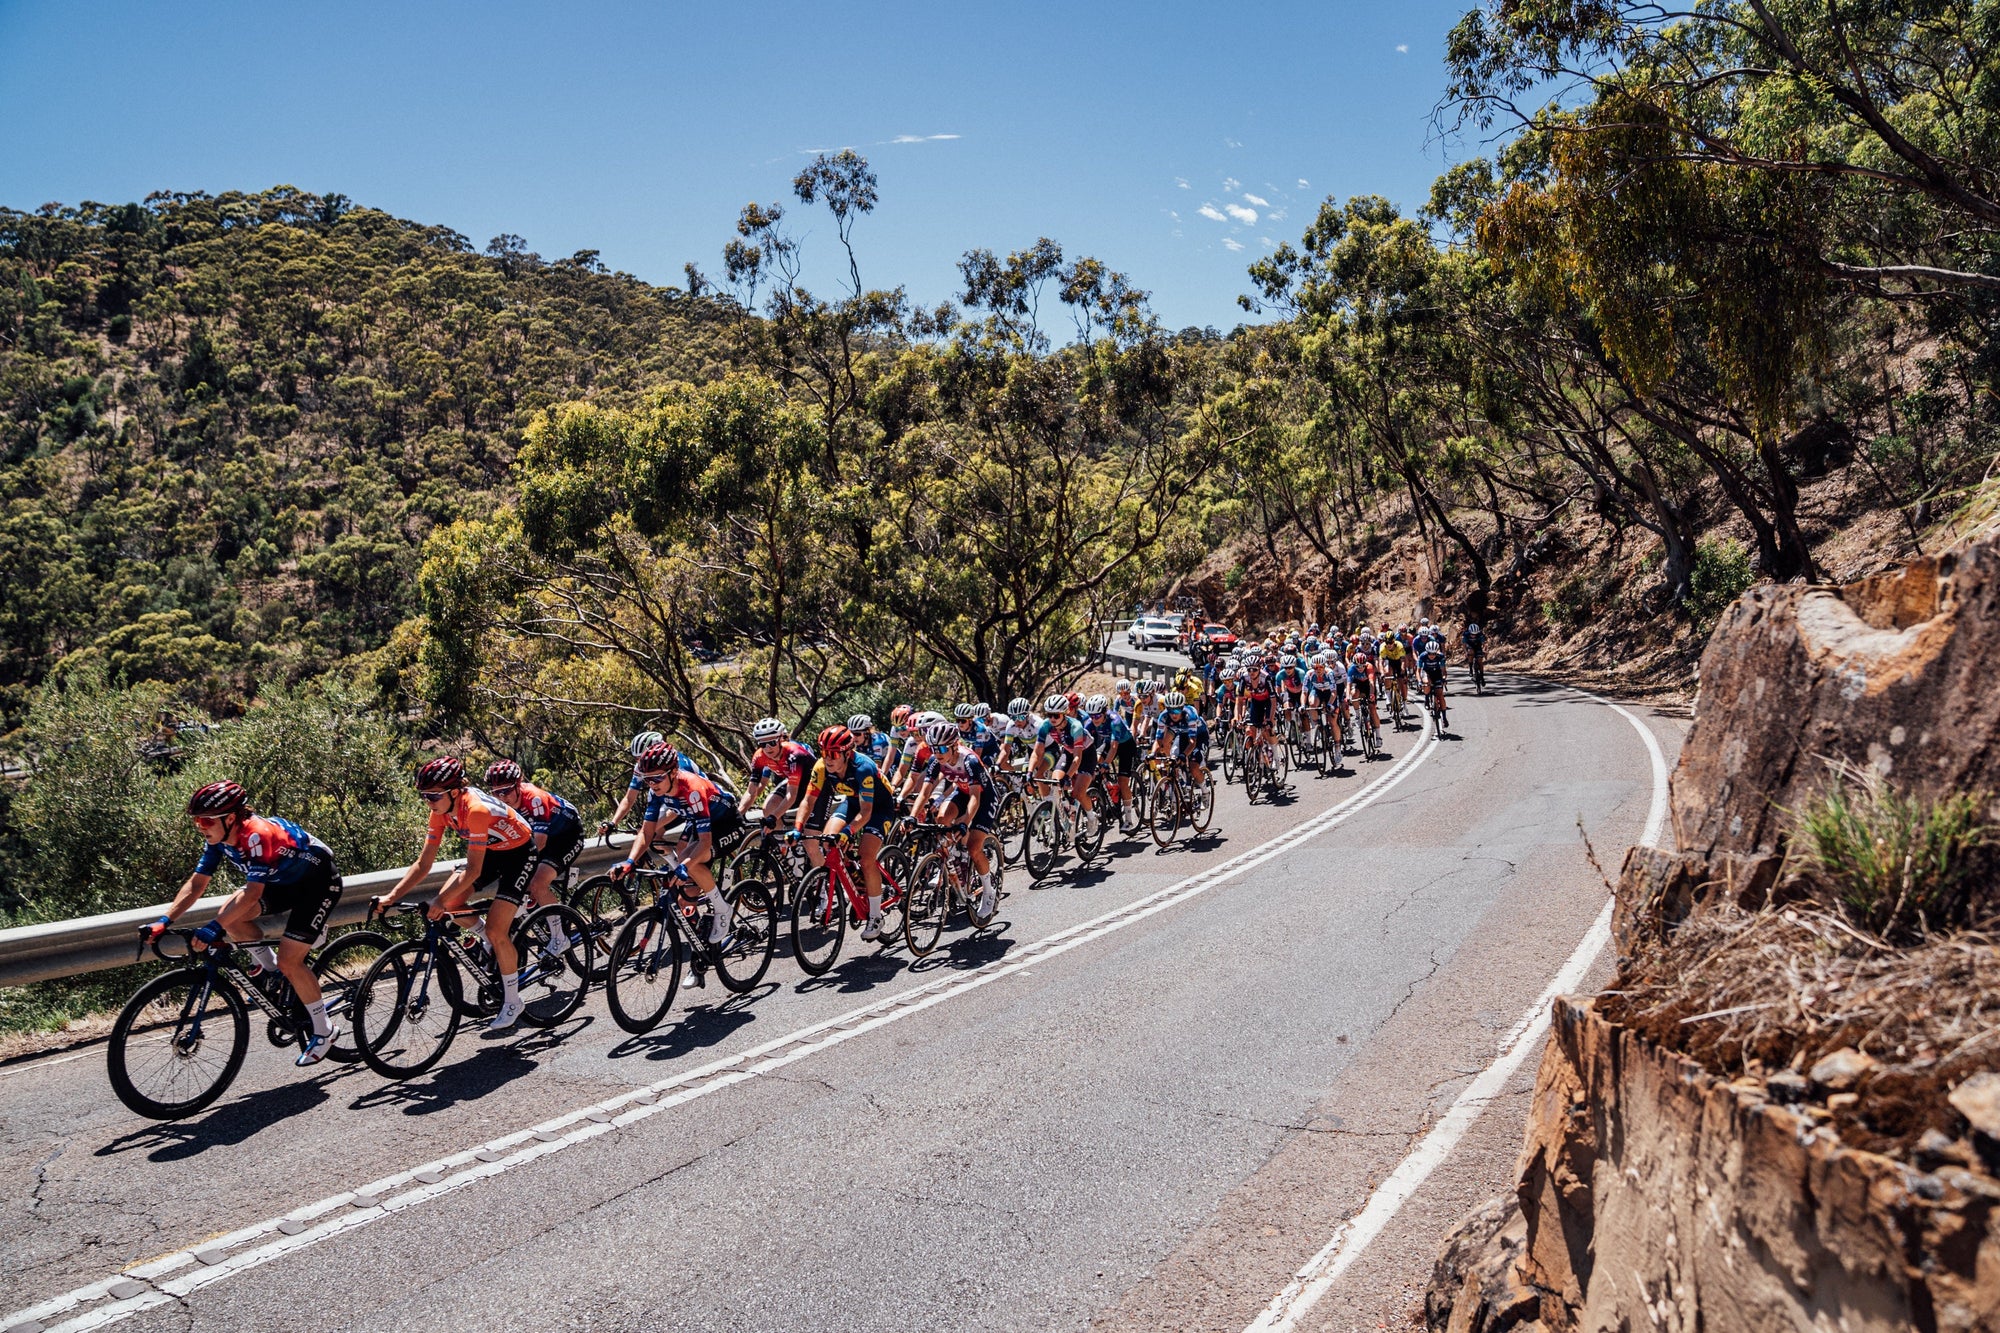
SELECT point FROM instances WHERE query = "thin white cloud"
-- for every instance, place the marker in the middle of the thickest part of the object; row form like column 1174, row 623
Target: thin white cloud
column 1246, row 216
column 1231, row 243
column 1304, row 184
column 1266, row 241
column 1402, row 48
column 1231, row 184
column 1212, row 213
column 1249, row 198
column 1175, row 216
column 1276, row 215
column 1232, row 143
column 1182, row 182
column 921, row 138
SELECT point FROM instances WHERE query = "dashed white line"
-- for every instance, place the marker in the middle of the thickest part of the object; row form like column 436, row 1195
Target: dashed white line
column 1353, row 1236
column 175, row 1276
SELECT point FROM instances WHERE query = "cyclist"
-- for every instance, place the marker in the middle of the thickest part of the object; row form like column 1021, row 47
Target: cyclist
column 1255, row 705
column 558, row 830
column 868, row 741
column 713, row 828
column 1180, row 731
column 972, row 729
column 781, row 763
column 499, row 854
column 1322, row 693
column 1431, row 663
column 1474, row 639
column 285, row 869
column 633, row 789
column 845, row 791
column 1361, row 688
column 1115, row 739
column 1063, row 734
column 1148, row 707
column 968, row 801
column 1018, row 732
column 899, row 741
column 1394, row 657
column 1291, row 681
column 1123, row 701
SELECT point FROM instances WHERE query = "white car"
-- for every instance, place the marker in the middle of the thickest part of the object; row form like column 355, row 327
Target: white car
column 1154, row 632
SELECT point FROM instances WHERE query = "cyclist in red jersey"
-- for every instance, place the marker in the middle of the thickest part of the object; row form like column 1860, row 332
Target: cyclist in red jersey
column 499, row 854
column 712, row 827
column 780, row 763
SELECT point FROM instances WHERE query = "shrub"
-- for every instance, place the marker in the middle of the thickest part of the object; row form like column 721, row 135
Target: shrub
column 1720, row 575
column 1899, row 866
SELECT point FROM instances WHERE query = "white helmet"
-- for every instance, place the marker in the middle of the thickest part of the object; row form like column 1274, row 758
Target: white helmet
column 1095, row 704
column 1056, row 705
column 1147, row 688
column 963, row 712
column 1229, row 673
column 1173, row 699
column 982, row 711
column 768, row 729
column 1288, row 661
column 942, row 733
column 645, row 741
column 861, row 722
column 925, row 720
column 1017, row 708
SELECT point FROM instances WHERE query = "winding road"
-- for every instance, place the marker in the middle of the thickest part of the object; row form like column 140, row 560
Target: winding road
column 1146, row 1100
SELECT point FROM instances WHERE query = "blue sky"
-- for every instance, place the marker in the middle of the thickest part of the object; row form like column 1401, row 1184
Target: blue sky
column 1157, row 137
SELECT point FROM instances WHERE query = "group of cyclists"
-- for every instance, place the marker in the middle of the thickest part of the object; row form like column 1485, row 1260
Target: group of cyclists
column 851, row 783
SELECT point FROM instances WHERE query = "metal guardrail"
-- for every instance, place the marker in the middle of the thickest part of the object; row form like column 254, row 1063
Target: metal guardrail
column 94, row 943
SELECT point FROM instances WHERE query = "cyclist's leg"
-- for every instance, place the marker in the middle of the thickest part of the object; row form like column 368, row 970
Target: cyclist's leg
column 310, row 904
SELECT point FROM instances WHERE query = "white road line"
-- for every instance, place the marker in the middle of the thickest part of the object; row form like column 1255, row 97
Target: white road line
column 174, row 1276
column 1353, row 1236
column 29, row 1067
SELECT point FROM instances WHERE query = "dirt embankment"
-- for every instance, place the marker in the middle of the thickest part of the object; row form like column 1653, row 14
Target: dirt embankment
column 1771, row 1119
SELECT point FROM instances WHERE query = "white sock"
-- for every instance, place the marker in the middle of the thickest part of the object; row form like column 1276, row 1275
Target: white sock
column 723, row 911
column 321, row 1026
column 264, row 956
column 510, row 987
column 875, row 909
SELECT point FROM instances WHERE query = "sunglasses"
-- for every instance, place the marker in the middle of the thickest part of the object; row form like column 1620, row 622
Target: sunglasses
column 207, row 821
column 429, row 796
column 507, row 790
column 769, row 745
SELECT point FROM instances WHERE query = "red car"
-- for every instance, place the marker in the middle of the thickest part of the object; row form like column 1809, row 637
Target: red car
column 1210, row 639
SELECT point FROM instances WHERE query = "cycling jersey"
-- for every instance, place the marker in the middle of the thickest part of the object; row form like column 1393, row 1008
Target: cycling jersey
column 1475, row 641
column 1108, row 729
column 482, row 820
column 687, row 766
column 1361, row 678
column 985, row 742
column 874, row 745
column 1180, row 722
column 962, row 771
column 787, row 767
column 845, row 793
column 1431, row 662
column 1065, row 733
column 1291, row 680
column 543, row 808
column 696, row 799
column 273, row 851
column 1392, row 649
column 1323, row 681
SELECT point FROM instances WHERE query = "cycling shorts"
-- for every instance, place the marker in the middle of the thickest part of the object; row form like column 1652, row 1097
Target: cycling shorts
column 1325, row 698
column 1085, row 762
column 561, row 845
column 984, row 819
column 1126, row 758
column 725, row 830
column 1256, row 712
column 304, row 903
column 508, row 871
column 1186, row 744
column 847, row 807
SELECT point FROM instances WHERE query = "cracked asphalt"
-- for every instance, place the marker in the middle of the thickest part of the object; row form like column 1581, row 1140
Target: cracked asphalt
column 1152, row 1130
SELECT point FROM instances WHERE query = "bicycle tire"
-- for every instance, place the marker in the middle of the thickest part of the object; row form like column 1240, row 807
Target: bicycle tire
column 759, row 863
column 561, row 981
column 1232, row 760
column 404, row 1017
column 340, row 967
column 1281, row 766
column 645, row 970
column 1165, row 823
column 169, row 997
column 1010, row 819
column 1090, row 824
column 605, row 903
column 1041, row 840
column 819, row 923
column 928, row 902
column 754, row 931
column 972, row 916
column 1201, row 804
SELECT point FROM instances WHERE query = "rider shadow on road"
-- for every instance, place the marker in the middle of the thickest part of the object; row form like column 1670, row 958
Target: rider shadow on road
column 969, row 952
column 491, row 1067
column 234, row 1124
column 859, row 972
column 700, row 1027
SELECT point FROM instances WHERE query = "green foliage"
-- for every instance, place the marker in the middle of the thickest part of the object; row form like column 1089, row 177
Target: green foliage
column 1900, row 866
column 1721, row 574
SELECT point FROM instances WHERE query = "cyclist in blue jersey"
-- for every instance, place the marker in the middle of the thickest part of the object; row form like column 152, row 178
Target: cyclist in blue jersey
column 1060, row 734
column 869, row 743
column 968, row 798
column 285, row 870
column 635, row 789
column 845, row 791
column 1181, row 731
column 1117, row 743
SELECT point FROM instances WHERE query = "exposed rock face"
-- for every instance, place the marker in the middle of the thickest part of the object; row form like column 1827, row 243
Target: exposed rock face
column 1654, row 1195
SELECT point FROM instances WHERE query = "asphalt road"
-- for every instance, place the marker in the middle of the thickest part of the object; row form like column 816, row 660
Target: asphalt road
column 1142, row 1101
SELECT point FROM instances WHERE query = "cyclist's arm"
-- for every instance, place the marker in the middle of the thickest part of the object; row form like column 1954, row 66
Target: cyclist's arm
column 418, row 869
column 190, row 894
column 807, row 800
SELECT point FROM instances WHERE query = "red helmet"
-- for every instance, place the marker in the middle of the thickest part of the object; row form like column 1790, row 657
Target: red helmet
column 657, row 758
column 835, row 741
column 503, row 773
column 219, row 798
column 899, row 714
column 1075, row 703
column 440, row 773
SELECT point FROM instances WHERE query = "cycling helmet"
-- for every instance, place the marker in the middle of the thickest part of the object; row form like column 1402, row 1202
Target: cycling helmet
column 1095, row 704
column 503, row 773
column 835, row 741
column 980, row 712
column 660, row 757
column 1288, row 660
column 1472, row 626
column 768, row 729
column 219, row 798
column 644, row 741
column 1147, row 688
column 924, row 720
column 1173, row 699
column 1075, row 701
column 942, row 734
column 1056, row 705
column 1229, row 673
column 963, row 712
column 861, row 722
column 899, row 715
column 439, row 773
column 1017, row 708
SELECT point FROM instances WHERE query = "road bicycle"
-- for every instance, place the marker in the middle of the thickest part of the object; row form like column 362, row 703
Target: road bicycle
column 1059, row 823
column 179, row 1042
column 1232, row 754
column 1399, row 694
column 1267, row 767
column 659, row 940
column 1434, row 701
column 1177, row 799
column 1010, row 816
column 828, row 901
column 1321, row 745
column 942, row 882
column 1477, row 662
column 413, row 997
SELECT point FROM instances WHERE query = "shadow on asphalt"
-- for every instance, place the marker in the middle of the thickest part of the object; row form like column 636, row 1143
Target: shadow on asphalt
column 697, row 1027
column 491, row 1067
column 235, row 1123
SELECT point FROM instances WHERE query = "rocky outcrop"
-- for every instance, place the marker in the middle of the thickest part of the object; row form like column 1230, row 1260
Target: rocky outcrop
column 1653, row 1194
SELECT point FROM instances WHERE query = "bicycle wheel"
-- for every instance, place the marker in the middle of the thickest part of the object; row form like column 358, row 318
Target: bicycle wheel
column 604, row 903
column 1232, row 759
column 972, row 914
column 1165, row 821
column 1090, row 824
column 1011, row 819
column 404, row 1018
column 927, row 904
column 178, row 1043
column 755, row 862
column 753, row 938
column 1281, row 765
column 553, row 984
column 819, row 922
column 340, row 967
column 1200, row 808
column 1041, row 839
column 645, row 970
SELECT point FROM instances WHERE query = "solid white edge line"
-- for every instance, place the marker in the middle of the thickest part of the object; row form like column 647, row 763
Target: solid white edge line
column 1355, row 1235
column 463, row 1168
